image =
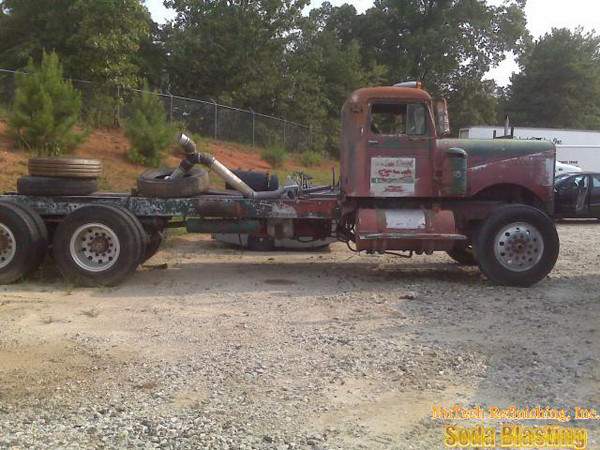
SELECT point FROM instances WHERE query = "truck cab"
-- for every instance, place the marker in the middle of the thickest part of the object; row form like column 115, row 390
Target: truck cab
column 406, row 186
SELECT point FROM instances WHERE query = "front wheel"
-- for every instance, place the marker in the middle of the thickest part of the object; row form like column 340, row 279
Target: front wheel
column 517, row 245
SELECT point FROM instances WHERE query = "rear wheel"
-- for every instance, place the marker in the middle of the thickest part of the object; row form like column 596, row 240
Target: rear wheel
column 48, row 187
column 98, row 245
column 156, row 183
column 155, row 239
column 517, row 245
column 22, row 242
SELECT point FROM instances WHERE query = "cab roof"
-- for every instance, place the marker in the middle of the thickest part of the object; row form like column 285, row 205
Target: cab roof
column 365, row 95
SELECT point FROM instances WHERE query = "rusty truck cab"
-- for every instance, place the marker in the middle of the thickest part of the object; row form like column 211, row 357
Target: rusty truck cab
column 388, row 140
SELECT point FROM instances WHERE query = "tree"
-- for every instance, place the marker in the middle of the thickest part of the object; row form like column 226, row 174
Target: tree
column 435, row 40
column 559, row 82
column 148, row 129
column 472, row 101
column 323, row 69
column 96, row 40
column 231, row 50
column 46, row 109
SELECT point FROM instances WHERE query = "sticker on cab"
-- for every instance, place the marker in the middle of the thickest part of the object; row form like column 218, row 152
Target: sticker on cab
column 392, row 177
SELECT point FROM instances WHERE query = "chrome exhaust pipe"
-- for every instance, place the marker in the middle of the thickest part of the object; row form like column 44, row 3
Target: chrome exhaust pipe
column 193, row 157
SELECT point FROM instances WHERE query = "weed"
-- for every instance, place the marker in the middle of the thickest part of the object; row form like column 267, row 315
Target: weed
column 275, row 156
column 311, row 158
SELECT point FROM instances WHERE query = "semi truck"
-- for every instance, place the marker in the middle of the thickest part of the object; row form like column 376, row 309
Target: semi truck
column 404, row 188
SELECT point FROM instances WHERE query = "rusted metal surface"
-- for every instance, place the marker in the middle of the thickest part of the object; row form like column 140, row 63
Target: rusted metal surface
column 421, row 230
column 376, row 165
column 407, row 166
column 203, row 206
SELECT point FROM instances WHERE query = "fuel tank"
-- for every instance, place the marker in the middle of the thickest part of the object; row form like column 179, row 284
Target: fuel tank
column 418, row 230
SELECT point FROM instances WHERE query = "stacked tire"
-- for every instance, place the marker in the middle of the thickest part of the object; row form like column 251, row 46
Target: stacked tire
column 60, row 177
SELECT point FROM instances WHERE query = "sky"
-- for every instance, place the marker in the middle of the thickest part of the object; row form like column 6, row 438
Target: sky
column 542, row 16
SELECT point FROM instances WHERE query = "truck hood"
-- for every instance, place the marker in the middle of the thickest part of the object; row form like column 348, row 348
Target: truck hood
column 497, row 149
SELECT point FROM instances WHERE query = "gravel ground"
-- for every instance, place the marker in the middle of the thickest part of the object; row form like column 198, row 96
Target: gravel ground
column 229, row 349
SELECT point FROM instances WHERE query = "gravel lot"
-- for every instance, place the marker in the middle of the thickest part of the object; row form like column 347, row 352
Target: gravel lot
column 229, row 349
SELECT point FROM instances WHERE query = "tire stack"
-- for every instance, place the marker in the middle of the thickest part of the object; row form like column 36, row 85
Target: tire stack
column 60, row 177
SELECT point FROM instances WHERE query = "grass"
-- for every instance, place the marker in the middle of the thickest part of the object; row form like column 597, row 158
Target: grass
column 311, row 158
column 275, row 156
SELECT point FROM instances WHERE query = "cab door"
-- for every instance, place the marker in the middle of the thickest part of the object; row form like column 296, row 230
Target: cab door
column 399, row 149
column 595, row 196
column 572, row 196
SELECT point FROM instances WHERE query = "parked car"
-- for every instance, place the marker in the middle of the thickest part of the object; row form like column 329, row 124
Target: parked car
column 577, row 195
column 562, row 168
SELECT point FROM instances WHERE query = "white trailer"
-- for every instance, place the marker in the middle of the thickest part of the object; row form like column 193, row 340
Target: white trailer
column 580, row 148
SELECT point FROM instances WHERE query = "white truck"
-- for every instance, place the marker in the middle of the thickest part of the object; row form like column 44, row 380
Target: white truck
column 574, row 148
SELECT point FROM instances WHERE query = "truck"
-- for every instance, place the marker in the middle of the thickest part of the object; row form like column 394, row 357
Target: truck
column 404, row 188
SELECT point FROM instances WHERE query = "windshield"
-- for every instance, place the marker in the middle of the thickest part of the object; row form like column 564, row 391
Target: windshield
column 398, row 118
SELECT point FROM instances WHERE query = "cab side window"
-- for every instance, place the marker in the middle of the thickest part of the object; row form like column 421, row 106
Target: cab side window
column 394, row 119
column 596, row 181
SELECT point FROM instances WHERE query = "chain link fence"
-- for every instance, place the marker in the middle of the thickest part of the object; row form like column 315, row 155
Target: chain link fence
column 105, row 107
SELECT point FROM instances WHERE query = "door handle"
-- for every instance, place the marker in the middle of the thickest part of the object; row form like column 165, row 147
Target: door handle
column 373, row 142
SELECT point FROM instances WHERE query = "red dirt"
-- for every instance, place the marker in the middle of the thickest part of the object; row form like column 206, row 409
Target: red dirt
column 111, row 147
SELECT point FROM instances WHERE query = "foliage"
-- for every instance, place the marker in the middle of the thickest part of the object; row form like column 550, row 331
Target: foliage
column 148, row 129
column 275, row 156
column 559, row 83
column 231, row 50
column 310, row 158
column 100, row 108
column 268, row 56
column 46, row 109
column 433, row 41
column 472, row 102
column 96, row 40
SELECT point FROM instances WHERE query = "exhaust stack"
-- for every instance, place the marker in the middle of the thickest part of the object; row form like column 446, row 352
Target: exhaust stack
column 194, row 157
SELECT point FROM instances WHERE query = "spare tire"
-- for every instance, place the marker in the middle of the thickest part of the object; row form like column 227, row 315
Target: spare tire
column 65, row 167
column 49, row 187
column 258, row 181
column 154, row 183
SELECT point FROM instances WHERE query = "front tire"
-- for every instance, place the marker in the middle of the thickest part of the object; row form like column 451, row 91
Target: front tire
column 98, row 245
column 517, row 245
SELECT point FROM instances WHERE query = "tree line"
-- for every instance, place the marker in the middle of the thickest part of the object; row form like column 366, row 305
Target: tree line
column 271, row 56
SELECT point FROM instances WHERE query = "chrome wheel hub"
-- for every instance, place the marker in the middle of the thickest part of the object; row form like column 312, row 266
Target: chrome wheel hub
column 8, row 246
column 519, row 246
column 95, row 247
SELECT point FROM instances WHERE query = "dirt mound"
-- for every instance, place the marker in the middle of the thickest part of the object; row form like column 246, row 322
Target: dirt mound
column 111, row 147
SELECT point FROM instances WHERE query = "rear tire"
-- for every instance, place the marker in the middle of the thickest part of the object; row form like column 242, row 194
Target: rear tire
column 154, row 183
column 49, row 187
column 22, row 242
column 65, row 167
column 98, row 245
column 517, row 245
column 155, row 240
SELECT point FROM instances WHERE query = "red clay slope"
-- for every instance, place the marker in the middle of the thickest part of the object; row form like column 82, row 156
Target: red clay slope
column 111, row 147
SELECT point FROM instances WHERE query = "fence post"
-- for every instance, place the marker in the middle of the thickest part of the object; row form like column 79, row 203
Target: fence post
column 253, row 127
column 118, row 106
column 216, row 124
column 171, row 108
column 284, row 133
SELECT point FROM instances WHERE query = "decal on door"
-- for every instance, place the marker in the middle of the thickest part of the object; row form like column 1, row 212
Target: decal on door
column 392, row 177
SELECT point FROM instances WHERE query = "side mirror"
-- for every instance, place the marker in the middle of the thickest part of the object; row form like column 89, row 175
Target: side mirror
column 442, row 120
